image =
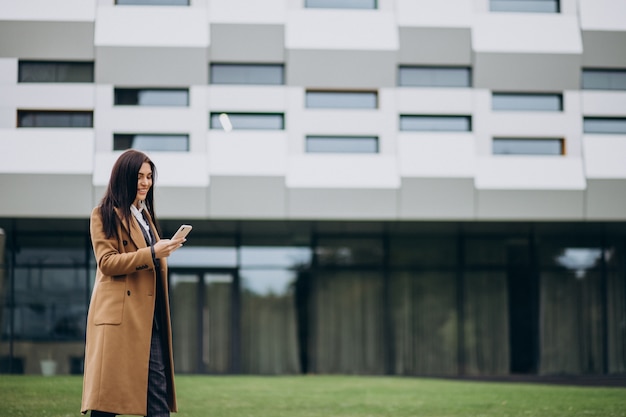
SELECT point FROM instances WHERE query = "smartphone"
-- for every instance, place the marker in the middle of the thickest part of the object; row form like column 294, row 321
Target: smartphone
column 182, row 231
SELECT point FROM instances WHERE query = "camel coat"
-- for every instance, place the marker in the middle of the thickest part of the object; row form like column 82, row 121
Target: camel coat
column 119, row 322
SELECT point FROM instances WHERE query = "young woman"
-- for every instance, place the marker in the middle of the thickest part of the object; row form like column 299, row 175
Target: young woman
column 128, row 353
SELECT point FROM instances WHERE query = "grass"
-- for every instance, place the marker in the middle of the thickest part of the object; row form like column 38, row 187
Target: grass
column 330, row 396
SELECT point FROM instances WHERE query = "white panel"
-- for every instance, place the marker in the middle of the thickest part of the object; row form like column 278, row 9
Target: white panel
column 181, row 202
column 40, row 96
column 435, row 101
column 427, row 13
column 605, row 156
column 603, row 15
column 49, row 10
column 157, row 26
column 342, row 171
column 239, row 153
column 436, row 198
column 529, row 173
column 365, row 30
column 436, row 155
column 246, row 98
column 509, row 32
column 246, row 11
column 604, row 103
column 52, row 151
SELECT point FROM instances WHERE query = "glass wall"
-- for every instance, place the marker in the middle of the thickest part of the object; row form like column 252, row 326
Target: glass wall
column 290, row 297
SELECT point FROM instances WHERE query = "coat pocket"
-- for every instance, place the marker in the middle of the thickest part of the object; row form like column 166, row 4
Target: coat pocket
column 109, row 303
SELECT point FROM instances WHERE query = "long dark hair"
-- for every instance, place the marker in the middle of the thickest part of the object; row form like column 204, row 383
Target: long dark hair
column 122, row 191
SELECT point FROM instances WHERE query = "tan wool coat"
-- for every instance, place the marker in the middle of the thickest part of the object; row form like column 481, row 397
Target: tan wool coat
column 119, row 322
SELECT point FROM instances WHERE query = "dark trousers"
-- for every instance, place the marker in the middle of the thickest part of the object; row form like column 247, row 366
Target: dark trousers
column 157, row 382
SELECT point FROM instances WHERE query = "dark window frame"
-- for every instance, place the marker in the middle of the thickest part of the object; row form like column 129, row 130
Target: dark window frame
column 604, row 71
column 348, row 137
column 118, row 139
column 36, row 114
column 561, row 141
column 216, row 115
column 118, row 93
column 22, row 63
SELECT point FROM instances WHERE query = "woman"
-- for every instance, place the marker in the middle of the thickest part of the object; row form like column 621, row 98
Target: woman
column 128, row 353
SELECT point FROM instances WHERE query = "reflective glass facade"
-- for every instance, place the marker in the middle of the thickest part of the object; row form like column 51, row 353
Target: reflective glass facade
column 290, row 297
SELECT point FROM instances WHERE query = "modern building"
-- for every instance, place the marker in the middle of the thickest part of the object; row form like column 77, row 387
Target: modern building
column 403, row 187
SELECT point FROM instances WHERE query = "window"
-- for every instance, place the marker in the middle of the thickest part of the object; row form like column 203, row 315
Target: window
column 342, row 144
column 151, row 97
column 341, row 99
column 604, row 79
column 41, row 118
column 243, row 121
column 153, row 2
column 525, row 6
column 434, row 77
column 611, row 125
column 528, row 146
column 55, row 72
column 527, row 102
column 340, row 4
column 421, row 123
column 261, row 74
column 151, row 142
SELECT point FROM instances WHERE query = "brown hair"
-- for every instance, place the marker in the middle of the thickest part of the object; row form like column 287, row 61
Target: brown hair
column 122, row 191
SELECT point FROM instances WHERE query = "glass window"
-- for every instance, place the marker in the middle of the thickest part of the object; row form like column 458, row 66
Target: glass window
column 153, row 2
column 28, row 118
column 55, row 72
column 346, row 251
column 342, row 144
column 263, row 74
column 342, row 99
column 416, row 123
column 434, row 76
column 340, row 4
column 527, row 146
column 151, row 97
column 151, row 142
column 529, row 6
column 423, row 252
column 286, row 257
column 614, row 125
column 529, row 102
column 609, row 79
column 247, row 121
column 204, row 256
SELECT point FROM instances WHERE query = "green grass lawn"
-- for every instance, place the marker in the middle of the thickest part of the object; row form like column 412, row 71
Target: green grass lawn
column 326, row 396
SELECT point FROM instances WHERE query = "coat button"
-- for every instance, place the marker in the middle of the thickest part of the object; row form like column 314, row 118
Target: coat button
column 128, row 292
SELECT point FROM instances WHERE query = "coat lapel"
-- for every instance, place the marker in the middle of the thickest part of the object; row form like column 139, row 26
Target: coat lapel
column 135, row 232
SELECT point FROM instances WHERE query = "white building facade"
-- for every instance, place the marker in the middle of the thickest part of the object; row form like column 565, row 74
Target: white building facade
column 337, row 159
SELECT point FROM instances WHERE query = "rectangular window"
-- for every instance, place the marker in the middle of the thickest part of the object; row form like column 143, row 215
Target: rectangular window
column 528, row 146
column 55, row 72
column 434, row 76
column 610, row 125
column 415, row 123
column 151, row 142
column 151, row 97
column 259, row 74
column 604, row 79
column 44, row 118
column 340, row 4
column 342, row 144
column 153, row 2
column 527, row 102
column 525, row 6
column 247, row 121
column 341, row 99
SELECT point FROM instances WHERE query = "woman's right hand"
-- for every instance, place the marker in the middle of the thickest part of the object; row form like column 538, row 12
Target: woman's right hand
column 164, row 247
